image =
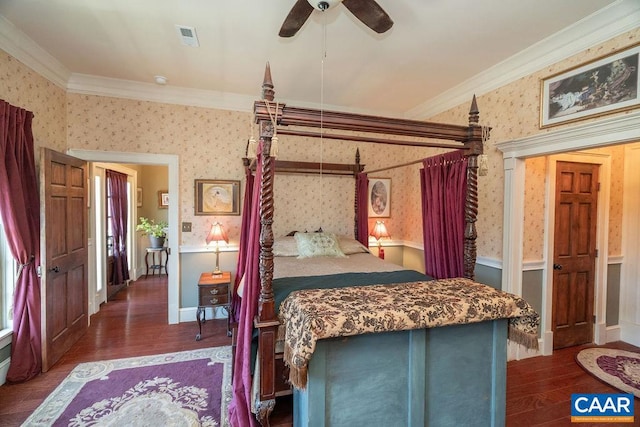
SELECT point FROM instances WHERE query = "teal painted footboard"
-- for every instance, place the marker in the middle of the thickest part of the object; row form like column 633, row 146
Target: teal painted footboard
column 448, row 376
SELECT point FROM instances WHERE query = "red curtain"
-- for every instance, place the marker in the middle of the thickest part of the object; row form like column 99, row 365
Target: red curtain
column 20, row 210
column 242, row 252
column 118, row 206
column 362, row 216
column 240, row 414
column 444, row 185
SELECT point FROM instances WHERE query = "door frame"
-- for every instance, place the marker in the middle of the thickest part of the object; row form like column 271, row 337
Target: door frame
column 602, row 242
column 614, row 130
column 172, row 162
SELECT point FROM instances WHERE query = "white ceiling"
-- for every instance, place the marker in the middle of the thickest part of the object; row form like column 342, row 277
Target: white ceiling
column 434, row 47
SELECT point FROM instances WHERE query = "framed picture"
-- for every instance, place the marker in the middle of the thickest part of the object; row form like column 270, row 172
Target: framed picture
column 598, row 87
column 379, row 197
column 217, row 197
column 163, row 199
column 139, row 197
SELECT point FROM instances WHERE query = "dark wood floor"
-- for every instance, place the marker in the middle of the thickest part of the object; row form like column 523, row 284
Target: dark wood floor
column 134, row 324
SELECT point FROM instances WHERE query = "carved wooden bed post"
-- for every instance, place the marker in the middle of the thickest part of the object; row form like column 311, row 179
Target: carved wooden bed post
column 266, row 319
column 474, row 148
column 356, row 202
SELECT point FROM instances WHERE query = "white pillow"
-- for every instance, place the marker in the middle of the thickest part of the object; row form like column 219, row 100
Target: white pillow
column 350, row 246
column 285, row 246
column 318, row 244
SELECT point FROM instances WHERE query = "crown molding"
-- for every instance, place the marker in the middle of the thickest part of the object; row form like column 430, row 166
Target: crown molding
column 118, row 88
column 21, row 47
column 614, row 20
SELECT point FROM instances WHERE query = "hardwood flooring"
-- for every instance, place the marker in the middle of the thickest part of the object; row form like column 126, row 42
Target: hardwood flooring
column 134, row 323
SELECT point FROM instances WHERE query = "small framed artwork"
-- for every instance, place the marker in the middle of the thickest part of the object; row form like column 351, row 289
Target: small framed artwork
column 163, row 199
column 598, row 87
column 379, row 197
column 217, row 197
column 139, row 197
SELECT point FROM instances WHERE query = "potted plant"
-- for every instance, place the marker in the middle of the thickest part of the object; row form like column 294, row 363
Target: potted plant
column 156, row 232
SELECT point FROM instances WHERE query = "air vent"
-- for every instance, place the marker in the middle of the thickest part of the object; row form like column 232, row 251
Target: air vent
column 187, row 35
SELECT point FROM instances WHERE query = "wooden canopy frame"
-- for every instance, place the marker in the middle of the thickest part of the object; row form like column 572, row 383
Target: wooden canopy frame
column 267, row 115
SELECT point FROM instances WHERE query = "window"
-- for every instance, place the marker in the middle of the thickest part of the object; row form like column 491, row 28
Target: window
column 8, row 272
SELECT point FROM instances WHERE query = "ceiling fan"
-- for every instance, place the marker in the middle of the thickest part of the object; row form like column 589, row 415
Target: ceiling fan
column 367, row 11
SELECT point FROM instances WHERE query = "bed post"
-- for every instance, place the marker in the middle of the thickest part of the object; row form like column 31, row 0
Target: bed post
column 473, row 143
column 266, row 320
column 355, row 200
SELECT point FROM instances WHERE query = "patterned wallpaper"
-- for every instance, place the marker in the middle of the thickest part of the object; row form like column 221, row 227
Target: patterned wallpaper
column 22, row 87
column 210, row 144
column 513, row 112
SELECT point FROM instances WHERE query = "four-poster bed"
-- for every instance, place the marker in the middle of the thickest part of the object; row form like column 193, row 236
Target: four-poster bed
column 487, row 339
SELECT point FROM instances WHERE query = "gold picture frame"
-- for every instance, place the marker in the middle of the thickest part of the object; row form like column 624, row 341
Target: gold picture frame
column 217, row 197
column 602, row 86
column 379, row 197
column 163, row 199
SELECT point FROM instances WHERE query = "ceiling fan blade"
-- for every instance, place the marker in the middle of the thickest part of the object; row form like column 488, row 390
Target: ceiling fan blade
column 296, row 18
column 370, row 13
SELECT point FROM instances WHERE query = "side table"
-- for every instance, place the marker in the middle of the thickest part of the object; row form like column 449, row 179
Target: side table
column 156, row 265
column 213, row 291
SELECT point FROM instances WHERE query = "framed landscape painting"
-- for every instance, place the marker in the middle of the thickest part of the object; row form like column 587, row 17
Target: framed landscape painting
column 598, row 87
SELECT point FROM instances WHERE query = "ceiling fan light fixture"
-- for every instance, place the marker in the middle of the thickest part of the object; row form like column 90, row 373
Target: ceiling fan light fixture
column 323, row 5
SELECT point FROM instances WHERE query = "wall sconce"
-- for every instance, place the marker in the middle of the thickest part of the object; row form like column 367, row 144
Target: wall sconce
column 217, row 234
column 379, row 231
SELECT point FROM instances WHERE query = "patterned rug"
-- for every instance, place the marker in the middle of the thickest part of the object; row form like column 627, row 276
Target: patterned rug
column 189, row 388
column 618, row 368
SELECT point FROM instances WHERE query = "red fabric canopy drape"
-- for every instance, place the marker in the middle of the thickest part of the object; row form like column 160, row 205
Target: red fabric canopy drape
column 117, row 183
column 240, row 414
column 362, row 216
column 443, row 181
column 20, row 210
column 242, row 252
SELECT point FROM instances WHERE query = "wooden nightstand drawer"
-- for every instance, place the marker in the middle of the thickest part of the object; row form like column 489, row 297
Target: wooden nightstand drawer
column 214, row 295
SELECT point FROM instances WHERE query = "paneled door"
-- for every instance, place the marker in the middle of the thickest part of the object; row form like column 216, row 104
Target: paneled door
column 65, row 315
column 574, row 253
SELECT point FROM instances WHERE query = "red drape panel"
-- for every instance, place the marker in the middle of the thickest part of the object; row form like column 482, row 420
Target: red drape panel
column 117, row 183
column 444, row 184
column 20, row 210
column 240, row 414
column 242, row 252
column 362, row 186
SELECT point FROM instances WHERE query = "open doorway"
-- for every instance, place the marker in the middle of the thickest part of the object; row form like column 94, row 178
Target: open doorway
column 619, row 130
column 172, row 164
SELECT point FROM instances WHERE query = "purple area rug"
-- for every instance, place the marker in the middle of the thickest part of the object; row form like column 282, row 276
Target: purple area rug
column 618, row 368
column 186, row 388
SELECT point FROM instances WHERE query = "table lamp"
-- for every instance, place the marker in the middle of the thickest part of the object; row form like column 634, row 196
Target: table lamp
column 379, row 231
column 217, row 234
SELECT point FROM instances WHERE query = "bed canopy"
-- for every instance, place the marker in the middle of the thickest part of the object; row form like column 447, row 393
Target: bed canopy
column 307, row 122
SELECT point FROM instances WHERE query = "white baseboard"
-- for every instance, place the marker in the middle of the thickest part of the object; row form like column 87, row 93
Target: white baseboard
column 4, row 368
column 518, row 352
column 188, row 314
column 613, row 333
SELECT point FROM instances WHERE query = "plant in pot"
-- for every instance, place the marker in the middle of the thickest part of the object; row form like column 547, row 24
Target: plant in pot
column 156, row 232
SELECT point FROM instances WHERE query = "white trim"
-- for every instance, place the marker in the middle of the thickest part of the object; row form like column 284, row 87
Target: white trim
column 4, row 369
column 6, row 336
column 607, row 131
column 613, row 333
column 188, row 314
column 609, row 22
column 189, row 249
column 172, row 161
column 489, row 262
column 20, row 46
column 629, row 319
column 533, row 265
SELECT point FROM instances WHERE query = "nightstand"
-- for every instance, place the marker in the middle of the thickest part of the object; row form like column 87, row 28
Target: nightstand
column 213, row 291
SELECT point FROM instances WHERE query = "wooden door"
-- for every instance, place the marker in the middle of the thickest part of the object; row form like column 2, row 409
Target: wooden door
column 574, row 253
column 64, row 253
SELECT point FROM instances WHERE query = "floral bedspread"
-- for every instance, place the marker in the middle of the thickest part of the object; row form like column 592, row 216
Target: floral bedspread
column 310, row 315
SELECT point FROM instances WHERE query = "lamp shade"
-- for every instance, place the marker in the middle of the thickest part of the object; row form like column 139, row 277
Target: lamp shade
column 217, row 234
column 380, row 230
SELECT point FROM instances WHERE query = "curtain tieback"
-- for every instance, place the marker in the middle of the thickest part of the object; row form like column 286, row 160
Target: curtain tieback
column 22, row 266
